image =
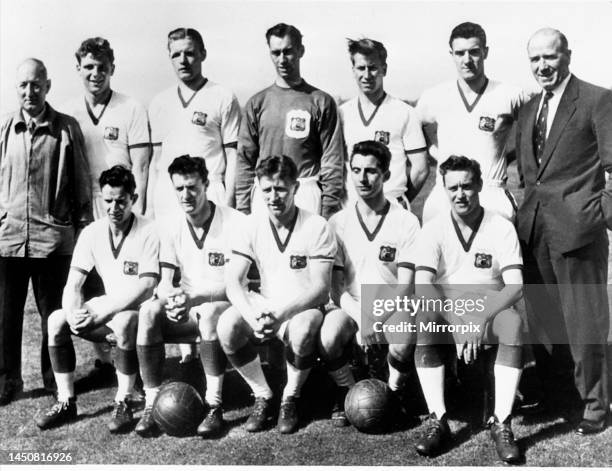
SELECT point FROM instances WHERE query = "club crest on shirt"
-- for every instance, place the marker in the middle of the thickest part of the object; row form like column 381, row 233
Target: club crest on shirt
column 216, row 259
column 297, row 262
column 486, row 124
column 382, row 137
column 130, row 268
column 483, row 260
column 386, row 253
column 199, row 118
column 111, row 133
column 297, row 124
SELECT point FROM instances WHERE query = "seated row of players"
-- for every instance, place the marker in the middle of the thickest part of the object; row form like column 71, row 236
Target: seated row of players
column 372, row 242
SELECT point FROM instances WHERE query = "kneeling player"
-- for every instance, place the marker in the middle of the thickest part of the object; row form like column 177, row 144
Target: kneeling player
column 375, row 242
column 294, row 252
column 124, row 249
column 476, row 246
column 197, row 244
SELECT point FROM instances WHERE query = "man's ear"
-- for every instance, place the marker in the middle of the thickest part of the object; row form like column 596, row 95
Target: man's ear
column 386, row 176
column 134, row 198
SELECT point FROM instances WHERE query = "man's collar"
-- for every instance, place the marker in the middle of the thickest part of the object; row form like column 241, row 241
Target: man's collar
column 561, row 87
column 45, row 118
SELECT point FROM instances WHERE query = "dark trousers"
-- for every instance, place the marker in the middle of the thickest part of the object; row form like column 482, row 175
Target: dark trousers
column 48, row 277
column 567, row 304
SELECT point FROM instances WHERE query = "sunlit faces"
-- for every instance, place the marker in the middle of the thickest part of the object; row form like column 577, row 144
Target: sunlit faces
column 190, row 191
column 186, row 59
column 117, row 203
column 369, row 72
column 95, row 73
column 278, row 194
column 32, row 87
column 286, row 57
column 462, row 191
column 548, row 58
column 367, row 176
column 469, row 56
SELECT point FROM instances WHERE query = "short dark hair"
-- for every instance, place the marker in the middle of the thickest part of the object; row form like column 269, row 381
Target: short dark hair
column 367, row 47
column 376, row 149
column 118, row 176
column 281, row 30
column 186, row 165
column 186, row 33
column 461, row 163
column 98, row 47
column 468, row 30
column 280, row 165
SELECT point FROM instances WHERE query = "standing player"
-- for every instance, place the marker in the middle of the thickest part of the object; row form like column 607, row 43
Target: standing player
column 114, row 126
column 474, row 116
column 375, row 115
column 198, row 246
column 294, row 252
column 474, row 246
column 197, row 117
column 295, row 119
column 116, row 132
column 124, row 249
column 375, row 243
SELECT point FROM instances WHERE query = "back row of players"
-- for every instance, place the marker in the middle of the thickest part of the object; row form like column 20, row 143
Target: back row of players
column 200, row 118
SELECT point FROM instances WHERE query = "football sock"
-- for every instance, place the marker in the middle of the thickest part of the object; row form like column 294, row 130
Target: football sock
column 63, row 358
column 65, row 385
column 125, row 385
column 214, row 388
column 298, row 368
column 214, row 362
column 343, row 376
column 506, row 381
column 150, row 396
column 295, row 380
column 213, row 358
column 151, row 359
column 127, row 368
column 103, row 352
column 510, row 355
column 254, row 376
column 398, row 371
column 430, row 369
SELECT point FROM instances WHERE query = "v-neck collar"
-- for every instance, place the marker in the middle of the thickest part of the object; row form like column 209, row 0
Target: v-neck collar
column 96, row 119
column 184, row 103
column 372, row 235
column 199, row 241
column 366, row 122
column 469, row 107
column 283, row 245
column 117, row 250
column 467, row 245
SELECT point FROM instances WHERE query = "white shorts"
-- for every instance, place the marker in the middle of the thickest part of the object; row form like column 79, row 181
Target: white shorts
column 493, row 197
column 308, row 196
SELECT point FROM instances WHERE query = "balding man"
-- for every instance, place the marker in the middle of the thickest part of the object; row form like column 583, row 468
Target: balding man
column 45, row 198
column 564, row 143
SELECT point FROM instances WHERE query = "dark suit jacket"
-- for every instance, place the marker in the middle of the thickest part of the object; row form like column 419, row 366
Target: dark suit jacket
column 568, row 190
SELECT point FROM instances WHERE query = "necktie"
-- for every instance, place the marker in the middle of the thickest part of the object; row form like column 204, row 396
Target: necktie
column 540, row 129
column 31, row 127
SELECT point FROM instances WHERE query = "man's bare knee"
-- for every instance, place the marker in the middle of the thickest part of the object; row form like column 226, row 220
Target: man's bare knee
column 303, row 331
column 57, row 327
column 231, row 330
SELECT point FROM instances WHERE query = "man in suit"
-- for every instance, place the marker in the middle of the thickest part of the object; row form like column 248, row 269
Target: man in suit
column 564, row 143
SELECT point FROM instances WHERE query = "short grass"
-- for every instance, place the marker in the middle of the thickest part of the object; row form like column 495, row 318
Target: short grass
column 546, row 439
